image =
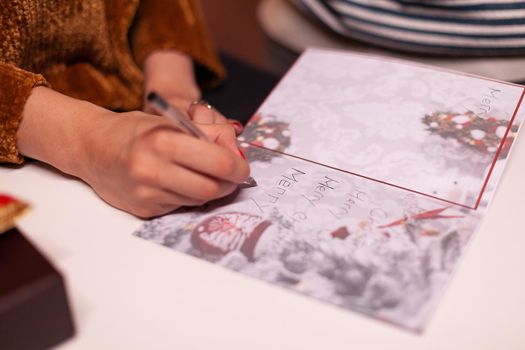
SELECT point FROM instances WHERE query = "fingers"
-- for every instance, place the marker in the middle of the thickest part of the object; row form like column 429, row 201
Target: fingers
column 200, row 112
column 209, row 159
column 220, row 159
column 180, row 104
column 150, row 201
column 203, row 113
column 155, row 202
column 184, row 186
column 148, row 167
column 160, row 185
column 162, row 169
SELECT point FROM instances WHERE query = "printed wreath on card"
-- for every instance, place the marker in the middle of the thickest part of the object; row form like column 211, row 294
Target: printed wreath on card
column 481, row 134
column 268, row 132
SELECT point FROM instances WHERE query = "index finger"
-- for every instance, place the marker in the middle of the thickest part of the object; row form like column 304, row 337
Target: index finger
column 203, row 115
column 206, row 158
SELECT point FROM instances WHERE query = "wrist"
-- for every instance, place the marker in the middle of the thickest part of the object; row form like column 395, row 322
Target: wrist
column 56, row 129
column 171, row 74
column 93, row 139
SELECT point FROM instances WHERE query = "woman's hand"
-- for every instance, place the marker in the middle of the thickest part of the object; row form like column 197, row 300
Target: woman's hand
column 135, row 161
column 157, row 169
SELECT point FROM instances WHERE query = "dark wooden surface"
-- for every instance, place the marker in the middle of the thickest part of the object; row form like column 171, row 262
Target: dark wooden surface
column 34, row 310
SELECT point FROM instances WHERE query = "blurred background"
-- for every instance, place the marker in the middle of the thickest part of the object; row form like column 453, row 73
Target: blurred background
column 253, row 61
column 235, row 30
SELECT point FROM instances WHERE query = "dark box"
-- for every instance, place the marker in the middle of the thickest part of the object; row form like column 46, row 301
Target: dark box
column 34, row 311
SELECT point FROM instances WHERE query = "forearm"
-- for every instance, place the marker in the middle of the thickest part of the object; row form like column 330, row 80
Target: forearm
column 135, row 161
column 172, row 74
column 175, row 25
column 55, row 129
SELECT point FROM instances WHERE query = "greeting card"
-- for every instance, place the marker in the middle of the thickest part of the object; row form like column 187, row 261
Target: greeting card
column 373, row 176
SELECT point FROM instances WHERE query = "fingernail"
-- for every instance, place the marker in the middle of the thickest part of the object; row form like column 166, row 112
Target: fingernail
column 242, row 154
column 237, row 126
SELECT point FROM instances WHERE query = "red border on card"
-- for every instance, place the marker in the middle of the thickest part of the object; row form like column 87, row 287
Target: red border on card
column 421, row 65
column 499, row 151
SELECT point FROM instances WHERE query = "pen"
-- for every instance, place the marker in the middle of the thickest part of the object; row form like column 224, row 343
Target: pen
column 164, row 108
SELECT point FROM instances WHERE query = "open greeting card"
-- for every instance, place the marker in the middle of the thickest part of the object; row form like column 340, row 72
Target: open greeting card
column 373, row 176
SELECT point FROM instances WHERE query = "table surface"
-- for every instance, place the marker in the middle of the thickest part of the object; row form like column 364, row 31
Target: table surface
column 128, row 293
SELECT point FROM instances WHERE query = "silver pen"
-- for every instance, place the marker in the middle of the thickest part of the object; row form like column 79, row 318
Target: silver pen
column 163, row 107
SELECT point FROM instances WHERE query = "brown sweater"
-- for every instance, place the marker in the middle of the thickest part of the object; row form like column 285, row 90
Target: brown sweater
column 91, row 50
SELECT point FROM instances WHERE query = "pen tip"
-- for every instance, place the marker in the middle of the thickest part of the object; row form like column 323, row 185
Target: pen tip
column 249, row 182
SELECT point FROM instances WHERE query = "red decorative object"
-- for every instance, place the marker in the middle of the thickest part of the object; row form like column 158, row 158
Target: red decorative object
column 426, row 215
column 226, row 232
column 10, row 210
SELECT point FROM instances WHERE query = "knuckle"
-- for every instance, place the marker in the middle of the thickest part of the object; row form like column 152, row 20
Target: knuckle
column 141, row 171
column 138, row 172
column 134, row 164
column 142, row 196
column 159, row 140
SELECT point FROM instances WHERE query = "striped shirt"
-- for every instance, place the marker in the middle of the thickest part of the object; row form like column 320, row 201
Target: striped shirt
column 442, row 27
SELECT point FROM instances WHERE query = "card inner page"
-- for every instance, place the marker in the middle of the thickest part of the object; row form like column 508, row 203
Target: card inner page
column 430, row 131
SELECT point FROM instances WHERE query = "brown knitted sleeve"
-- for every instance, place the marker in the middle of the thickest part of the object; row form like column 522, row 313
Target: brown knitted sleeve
column 16, row 85
column 176, row 25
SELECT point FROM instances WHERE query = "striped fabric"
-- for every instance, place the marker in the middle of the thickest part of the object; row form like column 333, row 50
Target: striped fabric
column 443, row 27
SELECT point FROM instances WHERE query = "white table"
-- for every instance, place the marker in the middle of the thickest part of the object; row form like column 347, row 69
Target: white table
column 127, row 293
